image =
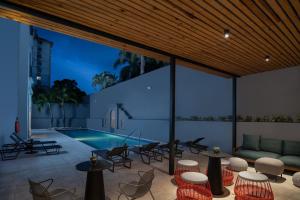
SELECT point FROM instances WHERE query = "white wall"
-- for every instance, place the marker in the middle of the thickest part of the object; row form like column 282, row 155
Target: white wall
column 283, row 131
column 24, row 49
column 269, row 93
column 215, row 133
column 76, row 116
column 275, row 92
column 196, row 94
column 14, row 57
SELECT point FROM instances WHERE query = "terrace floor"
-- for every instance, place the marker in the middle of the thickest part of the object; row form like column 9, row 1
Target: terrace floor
column 14, row 173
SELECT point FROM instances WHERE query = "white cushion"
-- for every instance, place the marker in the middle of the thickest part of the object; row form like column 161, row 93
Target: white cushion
column 253, row 176
column 194, row 177
column 225, row 162
column 238, row 164
column 187, row 163
column 269, row 166
column 296, row 179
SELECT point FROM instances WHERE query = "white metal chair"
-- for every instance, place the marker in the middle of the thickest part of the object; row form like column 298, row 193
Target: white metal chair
column 137, row 189
column 41, row 192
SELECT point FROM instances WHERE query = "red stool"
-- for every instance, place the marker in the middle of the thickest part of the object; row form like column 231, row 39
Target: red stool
column 185, row 166
column 253, row 186
column 193, row 192
column 227, row 175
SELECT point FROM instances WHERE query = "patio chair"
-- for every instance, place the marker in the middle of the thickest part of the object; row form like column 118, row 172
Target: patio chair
column 137, row 189
column 165, row 148
column 41, row 192
column 148, row 152
column 195, row 147
column 116, row 156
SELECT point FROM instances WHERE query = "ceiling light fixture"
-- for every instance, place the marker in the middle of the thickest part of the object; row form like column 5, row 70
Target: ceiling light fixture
column 267, row 58
column 226, row 33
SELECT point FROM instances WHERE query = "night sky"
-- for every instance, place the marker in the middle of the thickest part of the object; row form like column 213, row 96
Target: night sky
column 78, row 59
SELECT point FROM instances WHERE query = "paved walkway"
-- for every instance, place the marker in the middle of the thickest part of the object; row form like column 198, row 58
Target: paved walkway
column 14, row 173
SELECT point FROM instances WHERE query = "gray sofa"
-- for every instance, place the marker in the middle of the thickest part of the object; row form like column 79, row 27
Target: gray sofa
column 255, row 146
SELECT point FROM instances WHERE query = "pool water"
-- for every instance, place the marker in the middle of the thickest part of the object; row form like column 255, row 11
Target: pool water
column 102, row 140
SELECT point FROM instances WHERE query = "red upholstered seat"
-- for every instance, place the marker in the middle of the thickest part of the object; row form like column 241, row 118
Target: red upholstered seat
column 252, row 190
column 193, row 192
column 227, row 176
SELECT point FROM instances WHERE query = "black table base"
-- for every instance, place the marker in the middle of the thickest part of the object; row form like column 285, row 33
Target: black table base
column 214, row 174
column 94, row 188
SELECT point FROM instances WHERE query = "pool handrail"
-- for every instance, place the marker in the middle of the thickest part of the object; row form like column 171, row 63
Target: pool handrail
column 129, row 135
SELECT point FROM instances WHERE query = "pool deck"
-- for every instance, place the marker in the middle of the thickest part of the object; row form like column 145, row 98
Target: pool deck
column 15, row 173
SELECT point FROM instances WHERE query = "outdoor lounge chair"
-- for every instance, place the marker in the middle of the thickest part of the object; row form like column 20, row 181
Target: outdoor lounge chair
column 137, row 189
column 33, row 142
column 195, row 147
column 41, row 192
column 116, row 156
column 11, row 151
column 48, row 147
column 165, row 148
column 148, row 152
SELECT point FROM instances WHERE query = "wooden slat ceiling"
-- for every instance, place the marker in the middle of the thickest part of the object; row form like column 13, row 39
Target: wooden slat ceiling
column 188, row 29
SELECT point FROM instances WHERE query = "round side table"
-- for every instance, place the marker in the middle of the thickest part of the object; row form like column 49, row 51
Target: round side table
column 253, row 186
column 94, row 187
column 185, row 166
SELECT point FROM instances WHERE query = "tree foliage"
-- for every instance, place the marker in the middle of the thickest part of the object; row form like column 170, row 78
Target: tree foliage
column 130, row 63
column 104, row 80
column 62, row 91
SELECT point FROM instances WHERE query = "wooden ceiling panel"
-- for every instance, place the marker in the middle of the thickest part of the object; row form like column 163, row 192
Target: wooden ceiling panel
column 190, row 30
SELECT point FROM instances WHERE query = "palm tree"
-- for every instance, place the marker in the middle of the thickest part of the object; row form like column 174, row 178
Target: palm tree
column 134, row 64
column 40, row 100
column 51, row 99
column 104, row 79
column 130, row 63
column 42, row 97
column 66, row 91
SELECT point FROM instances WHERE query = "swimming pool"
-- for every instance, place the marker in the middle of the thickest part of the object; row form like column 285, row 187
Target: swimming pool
column 102, row 140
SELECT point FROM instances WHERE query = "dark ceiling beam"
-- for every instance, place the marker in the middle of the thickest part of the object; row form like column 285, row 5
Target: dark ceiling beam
column 68, row 23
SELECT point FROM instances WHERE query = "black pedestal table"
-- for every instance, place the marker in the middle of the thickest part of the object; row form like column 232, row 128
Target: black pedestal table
column 94, row 187
column 214, row 171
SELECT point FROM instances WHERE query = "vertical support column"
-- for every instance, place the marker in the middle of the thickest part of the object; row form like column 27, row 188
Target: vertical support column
column 118, row 115
column 234, row 118
column 172, row 115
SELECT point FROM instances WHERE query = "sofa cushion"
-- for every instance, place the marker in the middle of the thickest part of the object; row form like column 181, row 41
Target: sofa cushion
column 293, row 161
column 291, row 148
column 271, row 145
column 253, row 155
column 251, row 142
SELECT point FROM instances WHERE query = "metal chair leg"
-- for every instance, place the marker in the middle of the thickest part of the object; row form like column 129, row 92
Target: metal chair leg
column 151, row 195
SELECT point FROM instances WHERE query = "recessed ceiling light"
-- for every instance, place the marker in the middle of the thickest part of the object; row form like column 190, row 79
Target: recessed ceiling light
column 267, row 58
column 226, row 33
column 148, row 87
